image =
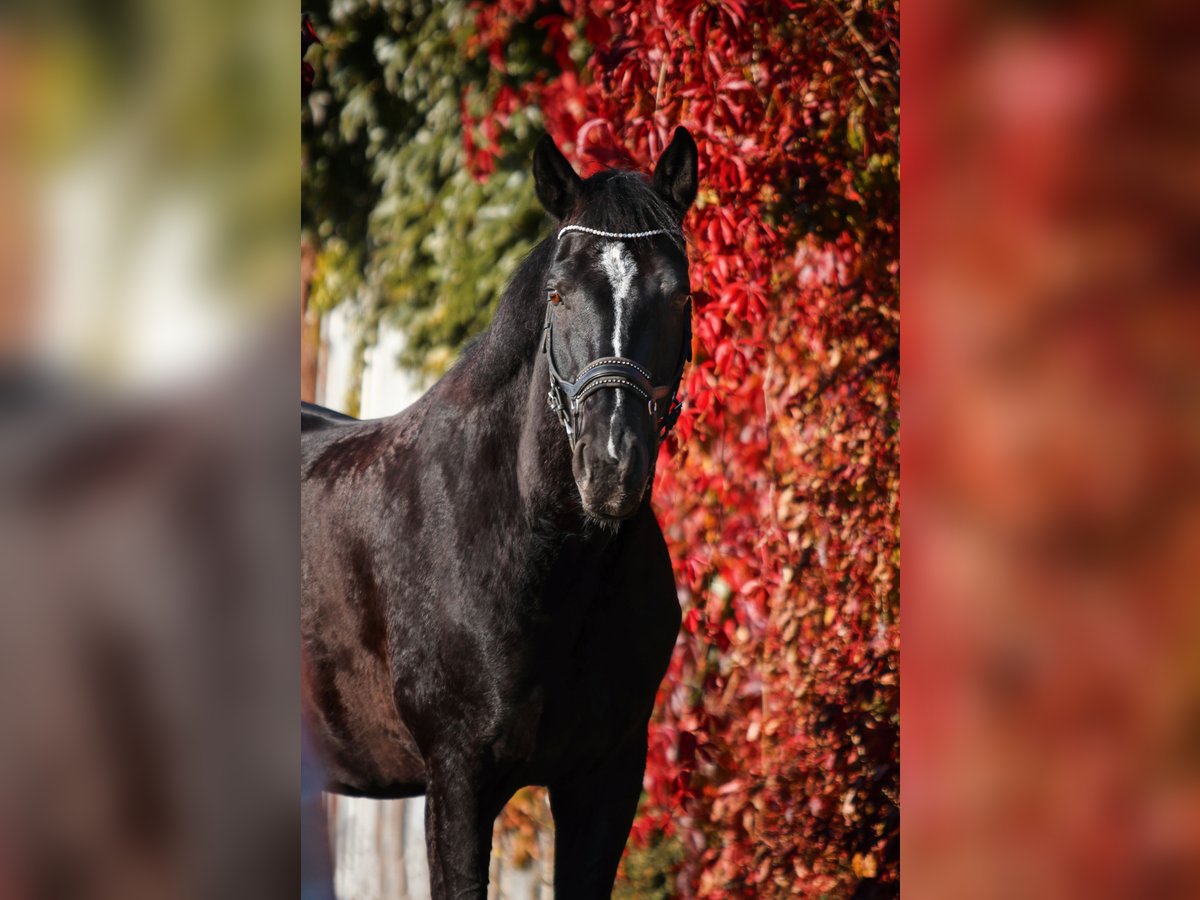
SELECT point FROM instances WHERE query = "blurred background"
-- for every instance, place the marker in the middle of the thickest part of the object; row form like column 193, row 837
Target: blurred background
column 1051, row 450
column 148, row 675
column 773, row 768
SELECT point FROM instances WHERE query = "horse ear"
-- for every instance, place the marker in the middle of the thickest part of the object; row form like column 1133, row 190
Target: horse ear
column 676, row 176
column 556, row 182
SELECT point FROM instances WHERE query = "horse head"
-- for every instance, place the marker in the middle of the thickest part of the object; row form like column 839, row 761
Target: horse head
column 617, row 332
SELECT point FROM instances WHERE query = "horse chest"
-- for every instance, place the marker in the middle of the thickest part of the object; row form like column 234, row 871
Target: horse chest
column 597, row 668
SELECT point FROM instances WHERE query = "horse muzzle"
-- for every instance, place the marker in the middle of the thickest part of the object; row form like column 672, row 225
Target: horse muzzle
column 611, row 472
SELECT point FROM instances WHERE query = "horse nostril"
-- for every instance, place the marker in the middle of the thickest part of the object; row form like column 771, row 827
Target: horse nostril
column 630, row 453
column 584, row 464
column 616, row 457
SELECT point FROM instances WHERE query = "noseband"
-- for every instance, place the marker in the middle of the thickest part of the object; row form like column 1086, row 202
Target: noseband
column 615, row 372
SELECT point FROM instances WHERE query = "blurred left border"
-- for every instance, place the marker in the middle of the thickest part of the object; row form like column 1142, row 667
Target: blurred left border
column 149, row 278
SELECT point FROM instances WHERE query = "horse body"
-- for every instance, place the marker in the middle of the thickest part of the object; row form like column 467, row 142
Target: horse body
column 470, row 625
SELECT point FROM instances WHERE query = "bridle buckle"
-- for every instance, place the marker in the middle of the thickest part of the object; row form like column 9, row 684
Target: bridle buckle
column 669, row 420
column 560, row 411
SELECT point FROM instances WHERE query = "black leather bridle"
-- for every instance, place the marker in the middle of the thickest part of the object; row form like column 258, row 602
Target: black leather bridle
column 616, row 372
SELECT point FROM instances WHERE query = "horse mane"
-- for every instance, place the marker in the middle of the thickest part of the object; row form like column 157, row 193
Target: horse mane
column 622, row 201
column 511, row 340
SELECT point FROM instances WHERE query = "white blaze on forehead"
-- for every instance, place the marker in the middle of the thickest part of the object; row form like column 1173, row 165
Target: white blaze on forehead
column 617, row 263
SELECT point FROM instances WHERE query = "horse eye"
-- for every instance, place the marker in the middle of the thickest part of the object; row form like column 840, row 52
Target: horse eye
column 552, row 296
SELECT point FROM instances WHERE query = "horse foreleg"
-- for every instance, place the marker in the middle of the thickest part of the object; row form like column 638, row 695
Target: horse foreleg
column 458, row 833
column 592, row 817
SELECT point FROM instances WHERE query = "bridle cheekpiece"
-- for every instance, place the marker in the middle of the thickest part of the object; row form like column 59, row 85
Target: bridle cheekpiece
column 617, row 372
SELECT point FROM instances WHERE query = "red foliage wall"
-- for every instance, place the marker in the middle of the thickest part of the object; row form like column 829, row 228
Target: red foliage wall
column 774, row 752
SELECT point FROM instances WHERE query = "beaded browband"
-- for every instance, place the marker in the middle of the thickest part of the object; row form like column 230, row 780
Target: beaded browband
column 624, row 236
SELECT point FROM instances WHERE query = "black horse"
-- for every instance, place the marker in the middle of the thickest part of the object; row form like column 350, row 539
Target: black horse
column 488, row 602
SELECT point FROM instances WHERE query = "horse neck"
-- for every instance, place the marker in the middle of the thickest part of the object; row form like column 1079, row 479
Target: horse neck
column 504, row 385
